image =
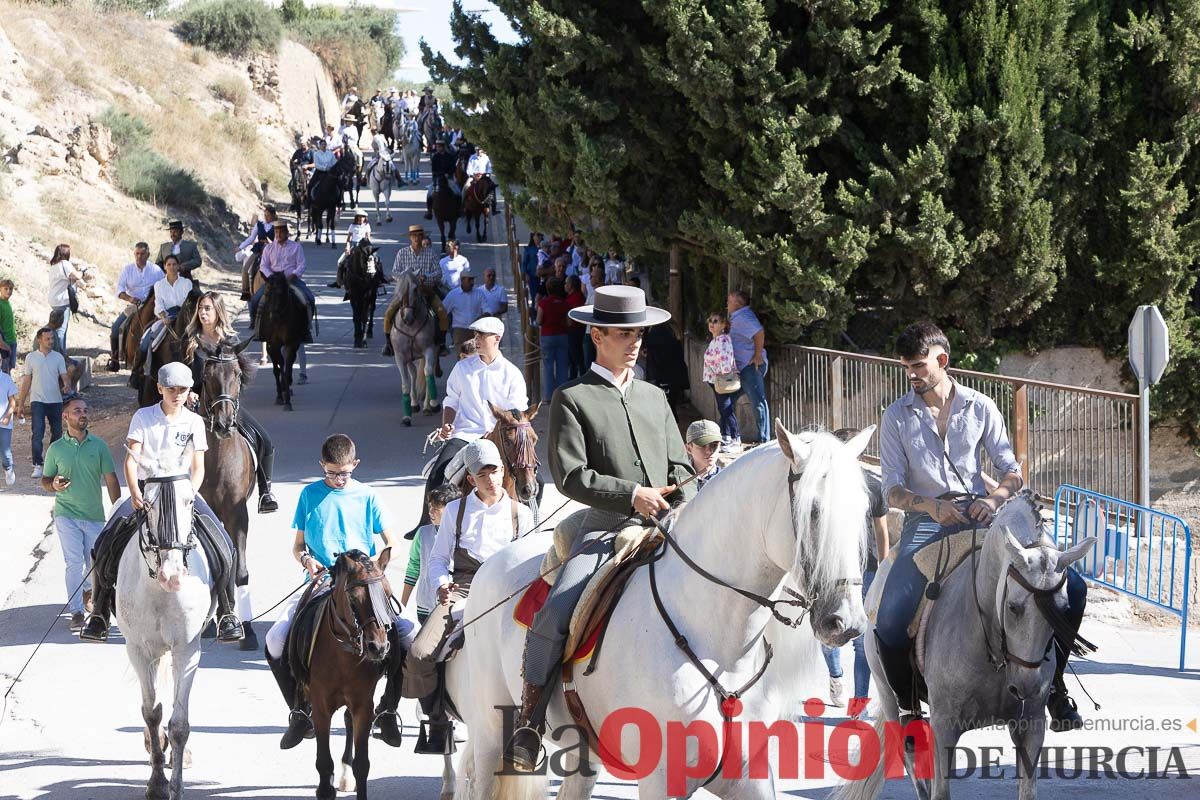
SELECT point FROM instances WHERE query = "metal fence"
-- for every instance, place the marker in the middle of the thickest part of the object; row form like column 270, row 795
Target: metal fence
column 1061, row 434
column 1140, row 552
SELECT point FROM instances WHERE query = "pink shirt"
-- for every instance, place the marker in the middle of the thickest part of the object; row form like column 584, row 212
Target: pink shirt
column 287, row 258
column 718, row 358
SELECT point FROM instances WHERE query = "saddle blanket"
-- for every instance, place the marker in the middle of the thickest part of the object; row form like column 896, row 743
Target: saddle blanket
column 531, row 602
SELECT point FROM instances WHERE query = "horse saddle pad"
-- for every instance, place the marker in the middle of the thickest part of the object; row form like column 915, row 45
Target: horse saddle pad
column 944, row 556
column 631, row 547
column 306, row 622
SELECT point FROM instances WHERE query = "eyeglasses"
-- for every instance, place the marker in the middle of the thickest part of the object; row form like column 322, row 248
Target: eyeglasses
column 339, row 476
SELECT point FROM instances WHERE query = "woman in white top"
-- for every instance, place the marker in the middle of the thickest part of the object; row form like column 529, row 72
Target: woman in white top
column 360, row 230
column 169, row 295
column 62, row 275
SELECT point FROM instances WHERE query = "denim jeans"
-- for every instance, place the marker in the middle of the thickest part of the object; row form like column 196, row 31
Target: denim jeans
column 77, row 537
column 61, row 332
column 555, row 363
column 862, row 670
column 8, row 360
column 756, row 390
column 43, row 412
column 114, row 334
column 726, row 405
column 6, row 448
column 833, row 660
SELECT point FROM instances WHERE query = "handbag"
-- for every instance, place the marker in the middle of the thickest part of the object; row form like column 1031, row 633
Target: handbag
column 727, row 383
column 72, row 297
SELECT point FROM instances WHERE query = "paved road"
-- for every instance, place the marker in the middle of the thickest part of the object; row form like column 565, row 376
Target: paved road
column 72, row 730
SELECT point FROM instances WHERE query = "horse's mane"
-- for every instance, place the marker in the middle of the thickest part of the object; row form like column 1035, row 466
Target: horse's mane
column 1022, row 515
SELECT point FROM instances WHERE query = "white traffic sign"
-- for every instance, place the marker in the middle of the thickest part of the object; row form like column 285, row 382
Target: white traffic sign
column 1148, row 347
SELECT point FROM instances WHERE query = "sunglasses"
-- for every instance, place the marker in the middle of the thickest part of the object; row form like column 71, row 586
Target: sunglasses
column 715, row 321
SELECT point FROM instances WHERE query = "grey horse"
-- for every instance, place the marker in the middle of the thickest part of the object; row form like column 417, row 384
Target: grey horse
column 984, row 648
column 414, row 342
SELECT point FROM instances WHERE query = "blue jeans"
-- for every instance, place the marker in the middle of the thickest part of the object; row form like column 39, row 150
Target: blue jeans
column 43, row 412
column 555, row 363
column 726, row 405
column 77, row 537
column 862, row 670
column 114, row 333
column 6, row 448
column 756, row 390
column 61, row 332
column 833, row 660
column 297, row 282
column 8, row 360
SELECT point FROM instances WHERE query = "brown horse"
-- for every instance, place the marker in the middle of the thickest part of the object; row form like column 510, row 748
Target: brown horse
column 143, row 319
column 477, row 206
column 516, row 440
column 349, row 656
column 229, row 461
column 170, row 349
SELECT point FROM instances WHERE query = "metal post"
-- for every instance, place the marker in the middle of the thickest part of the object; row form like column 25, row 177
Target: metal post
column 1021, row 429
column 675, row 290
column 836, row 411
column 533, row 375
column 1144, row 445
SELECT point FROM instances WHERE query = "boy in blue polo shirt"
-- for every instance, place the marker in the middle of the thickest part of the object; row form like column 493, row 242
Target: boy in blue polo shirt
column 333, row 516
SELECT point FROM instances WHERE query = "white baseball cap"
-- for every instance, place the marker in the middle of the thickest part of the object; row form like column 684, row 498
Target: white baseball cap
column 491, row 325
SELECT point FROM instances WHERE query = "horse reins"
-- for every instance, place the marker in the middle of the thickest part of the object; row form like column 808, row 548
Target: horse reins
column 344, row 624
column 147, row 541
column 211, row 407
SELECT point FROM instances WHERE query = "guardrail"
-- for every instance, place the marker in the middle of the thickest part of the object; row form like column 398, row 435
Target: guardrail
column 1060, row 434
column 1141, row 552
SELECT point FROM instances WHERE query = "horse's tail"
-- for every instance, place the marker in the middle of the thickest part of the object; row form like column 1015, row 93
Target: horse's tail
column 869, row 787
column 510, row 786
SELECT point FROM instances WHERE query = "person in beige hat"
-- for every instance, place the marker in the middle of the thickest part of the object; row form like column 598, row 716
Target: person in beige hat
column 417, row 258
column 702, row 441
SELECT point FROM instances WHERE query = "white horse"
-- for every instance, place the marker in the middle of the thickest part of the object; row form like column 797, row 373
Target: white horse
column 164, row 591
column 790, row 513
column 408, row 147
column 414, row 340
column 380, row 177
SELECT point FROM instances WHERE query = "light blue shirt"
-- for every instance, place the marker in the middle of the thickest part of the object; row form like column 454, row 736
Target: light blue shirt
column 743, row 327
column 913, row 456
column 337, row 520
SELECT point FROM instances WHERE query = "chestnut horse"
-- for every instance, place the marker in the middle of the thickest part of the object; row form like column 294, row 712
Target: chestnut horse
column 141, row 320
column 516, row 440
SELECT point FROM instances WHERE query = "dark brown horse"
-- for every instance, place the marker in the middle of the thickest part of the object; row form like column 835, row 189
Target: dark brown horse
column 229, row 461
column 282, row 323
column 170, row 349
column 516, row 440
column 349, row 656
column 477, row 206
column 363, row 286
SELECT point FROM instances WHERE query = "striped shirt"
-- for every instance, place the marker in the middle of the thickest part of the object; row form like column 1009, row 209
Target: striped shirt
column 423, row 264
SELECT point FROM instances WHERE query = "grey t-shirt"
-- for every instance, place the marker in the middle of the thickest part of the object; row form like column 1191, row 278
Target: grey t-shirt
column 45, row 370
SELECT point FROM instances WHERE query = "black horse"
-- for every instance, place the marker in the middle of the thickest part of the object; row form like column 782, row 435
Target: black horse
column 282, row 323
column 324, row 200
column 362, row 282
column 447, row 207
column 350, row 177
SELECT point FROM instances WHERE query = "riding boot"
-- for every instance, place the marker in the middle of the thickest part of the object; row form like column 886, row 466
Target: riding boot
column 897, row 668
column 437, row 731
column 266, row 466
column 114, row 360
column 1064, row 714
column 95, row 628
column 523, row 752
column 299, row 722
column 229, row 626
column 385, row 715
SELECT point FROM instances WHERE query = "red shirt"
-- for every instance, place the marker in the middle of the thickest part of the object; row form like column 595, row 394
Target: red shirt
column 574, row 300
column 554, row 315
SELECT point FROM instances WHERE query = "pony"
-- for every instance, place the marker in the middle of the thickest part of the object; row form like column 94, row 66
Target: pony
column 229, row 476
column 165, row 588
column 992, row 630
column 363, row 286
column 415, row 340
column 380, row 180
column 477, row 206
column 408, row 147
column 170, row 349
column 348, row 657
column 282, row 322
column 516, row 440
column 787, row 514
column 447, row 206
column 324, row 200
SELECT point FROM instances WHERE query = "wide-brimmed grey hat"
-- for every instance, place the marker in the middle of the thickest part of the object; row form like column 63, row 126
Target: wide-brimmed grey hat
column 619, row 307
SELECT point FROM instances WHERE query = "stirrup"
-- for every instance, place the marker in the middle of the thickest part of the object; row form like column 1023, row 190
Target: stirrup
column 540, row 763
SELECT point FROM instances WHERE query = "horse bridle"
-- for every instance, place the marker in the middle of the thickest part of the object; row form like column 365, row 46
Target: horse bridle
column 344, row 624
column 220, row 399
column 525, row 449
column 148, row 541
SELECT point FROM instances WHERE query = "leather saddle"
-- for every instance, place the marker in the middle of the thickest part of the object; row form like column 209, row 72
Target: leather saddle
column 306, row 622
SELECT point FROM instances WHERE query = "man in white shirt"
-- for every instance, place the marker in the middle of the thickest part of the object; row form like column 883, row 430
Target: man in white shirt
column 475, row 384
column 465, row 305
column 477, row 165
column 495, row 296
column 44, row 383
column 136, row 281
column 474, row 528
column 453, row 265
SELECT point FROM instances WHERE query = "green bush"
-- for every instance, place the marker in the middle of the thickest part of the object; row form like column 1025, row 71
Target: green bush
column 240, row 131
column 232, row 27
column 358, row 45
column 128, row 132
column 146, row 175
column 150, row 8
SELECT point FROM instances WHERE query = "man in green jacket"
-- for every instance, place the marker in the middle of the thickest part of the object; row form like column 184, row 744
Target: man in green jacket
column 616, row 448
column 189, row 254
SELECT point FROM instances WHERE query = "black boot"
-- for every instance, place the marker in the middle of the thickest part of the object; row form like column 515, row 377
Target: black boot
column 1064, row 714
column 387, row 346
column 95, row 628
column 114, row 361
column 523, row 752
column 299, row 723
column 266, row 501
column 229, row 628
column 437, row 731
column 386, row 717
column 429, row 208
column 897, row 668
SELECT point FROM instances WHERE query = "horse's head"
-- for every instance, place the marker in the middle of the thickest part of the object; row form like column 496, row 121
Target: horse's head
column 169, row 500
column 824, row 553
column 226, row 371
column 408, row 290
column 363, row 606
column 1022, row 577
column 516, row 440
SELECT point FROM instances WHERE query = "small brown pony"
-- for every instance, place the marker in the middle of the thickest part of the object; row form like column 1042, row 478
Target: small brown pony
column 349, row 656
column 516, row 440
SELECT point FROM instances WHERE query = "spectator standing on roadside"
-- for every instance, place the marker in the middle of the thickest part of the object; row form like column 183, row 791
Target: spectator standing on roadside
column 750, row 353
column 702, row 440
column 552, row 323
column 575, row 330
column 63, row 275
column 529, row 263
column 495, row 296
column 76, row 465
column 453, row 265
column 8, row 328
column 44, row 385
column 8, row 412
column 719, row 361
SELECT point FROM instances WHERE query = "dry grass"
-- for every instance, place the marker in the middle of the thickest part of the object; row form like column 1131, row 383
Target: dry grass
column 232, row 89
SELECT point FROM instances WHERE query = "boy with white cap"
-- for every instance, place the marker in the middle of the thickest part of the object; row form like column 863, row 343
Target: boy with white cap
column 474, row 527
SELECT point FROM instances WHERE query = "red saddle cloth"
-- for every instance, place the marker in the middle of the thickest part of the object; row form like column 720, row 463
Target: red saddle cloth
column 531, row 602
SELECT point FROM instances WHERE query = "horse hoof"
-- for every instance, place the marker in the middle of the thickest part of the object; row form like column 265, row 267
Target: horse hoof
column 156, row 789
column 287, row 407
column 345, row 779
column 278, row 401
column 406, row 422
column 389, row 217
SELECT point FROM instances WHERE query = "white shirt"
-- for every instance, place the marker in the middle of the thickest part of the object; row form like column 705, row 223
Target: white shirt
column 452, row 269
column 168, row 295
column 137, row 283
column 348, row 100
column 465, row 307
column 359, row 231
column 250, row 240
column 605, row 373
column 324, row 160
column 379, row 145
column 478, row 164
column 45, row 369
column 612, row 271
column 494, row 298
column 164, row 441
column 58, row 295
column 473, row 384
column 8, row 389
column 485, row 531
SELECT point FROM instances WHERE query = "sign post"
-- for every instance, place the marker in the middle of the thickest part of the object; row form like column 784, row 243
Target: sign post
column 1149, row 353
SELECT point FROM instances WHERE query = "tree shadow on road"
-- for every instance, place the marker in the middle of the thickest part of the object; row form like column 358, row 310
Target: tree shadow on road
column 24, row 625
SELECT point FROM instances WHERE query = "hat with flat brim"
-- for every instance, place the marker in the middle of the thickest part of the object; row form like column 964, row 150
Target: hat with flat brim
column 175, row 225
column 415, row 229
column 619, row 307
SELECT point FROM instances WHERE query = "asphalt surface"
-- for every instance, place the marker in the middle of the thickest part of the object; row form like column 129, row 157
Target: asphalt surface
column 72, row 730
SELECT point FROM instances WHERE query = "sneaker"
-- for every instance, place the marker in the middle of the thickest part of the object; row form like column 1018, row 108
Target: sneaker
column 10, row 476
column 77, row 621
column 37, row 471
column 836, row 699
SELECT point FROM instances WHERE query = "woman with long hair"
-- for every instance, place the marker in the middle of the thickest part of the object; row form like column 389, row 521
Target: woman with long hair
column 207, row 330
column 63, row 274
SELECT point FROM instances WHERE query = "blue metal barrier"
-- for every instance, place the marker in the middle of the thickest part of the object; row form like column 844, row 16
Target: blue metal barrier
column 1141, row 552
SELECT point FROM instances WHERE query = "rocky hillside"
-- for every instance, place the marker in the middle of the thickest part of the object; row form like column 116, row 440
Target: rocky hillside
column 110, row 126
